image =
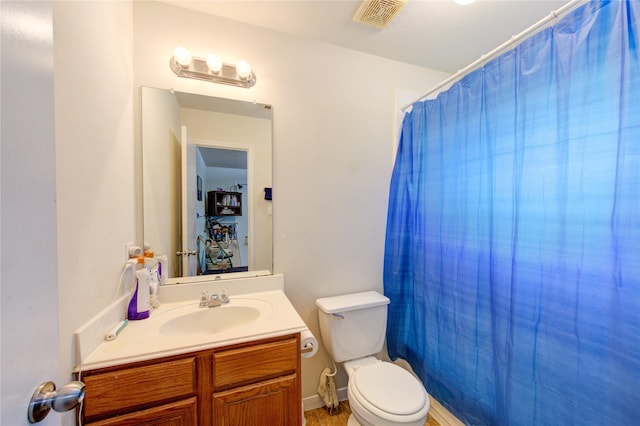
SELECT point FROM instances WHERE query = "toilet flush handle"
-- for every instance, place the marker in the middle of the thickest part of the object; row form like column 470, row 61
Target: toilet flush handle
column 340, row 317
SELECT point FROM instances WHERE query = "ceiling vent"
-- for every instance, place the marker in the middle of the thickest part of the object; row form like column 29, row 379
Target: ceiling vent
column 378, row 12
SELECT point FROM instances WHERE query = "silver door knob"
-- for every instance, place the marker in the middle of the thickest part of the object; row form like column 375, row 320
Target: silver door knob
column 47, row 397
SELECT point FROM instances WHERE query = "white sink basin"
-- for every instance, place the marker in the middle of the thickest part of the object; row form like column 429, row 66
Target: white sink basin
column 214, row 320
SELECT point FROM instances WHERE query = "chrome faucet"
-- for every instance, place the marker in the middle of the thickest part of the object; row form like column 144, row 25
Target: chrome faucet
column 214, row 300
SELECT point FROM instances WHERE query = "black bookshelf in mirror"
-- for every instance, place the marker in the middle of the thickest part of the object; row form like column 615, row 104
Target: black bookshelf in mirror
column 224, row 203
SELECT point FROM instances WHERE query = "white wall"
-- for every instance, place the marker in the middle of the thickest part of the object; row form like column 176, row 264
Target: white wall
column 333, row 137
column 95, row 170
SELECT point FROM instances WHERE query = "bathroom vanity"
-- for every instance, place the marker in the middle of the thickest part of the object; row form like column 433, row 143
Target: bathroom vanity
column 234, row 385
column 237, row 364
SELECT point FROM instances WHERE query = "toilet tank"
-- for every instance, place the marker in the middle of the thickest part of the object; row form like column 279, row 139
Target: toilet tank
column 353, row 325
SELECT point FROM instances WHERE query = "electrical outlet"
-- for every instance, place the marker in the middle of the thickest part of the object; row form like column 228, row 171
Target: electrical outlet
column 127, row 247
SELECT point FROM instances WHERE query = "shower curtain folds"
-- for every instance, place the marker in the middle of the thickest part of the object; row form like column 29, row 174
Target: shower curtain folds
column 512, row 256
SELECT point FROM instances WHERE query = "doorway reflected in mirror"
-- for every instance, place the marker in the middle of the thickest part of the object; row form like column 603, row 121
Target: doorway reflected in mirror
column 224, row 229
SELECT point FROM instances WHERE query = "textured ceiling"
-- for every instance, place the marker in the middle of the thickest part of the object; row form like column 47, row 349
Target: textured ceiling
column 437, row 34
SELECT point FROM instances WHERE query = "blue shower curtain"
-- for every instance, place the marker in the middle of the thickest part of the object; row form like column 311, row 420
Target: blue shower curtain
column 512, row 255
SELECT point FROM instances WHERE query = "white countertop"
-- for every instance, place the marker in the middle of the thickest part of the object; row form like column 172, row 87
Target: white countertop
column 144, row 339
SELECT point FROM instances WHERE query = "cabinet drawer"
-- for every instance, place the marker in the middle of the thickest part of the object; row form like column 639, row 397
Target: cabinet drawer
column 181, row 413
column 120, row 390
column 250, row 364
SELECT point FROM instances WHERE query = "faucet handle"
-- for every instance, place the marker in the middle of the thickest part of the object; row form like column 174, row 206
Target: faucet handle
column 224, row 296
column 204, row 299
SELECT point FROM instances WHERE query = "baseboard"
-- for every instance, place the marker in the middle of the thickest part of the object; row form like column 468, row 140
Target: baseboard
column 313, row 402
column 437, row 410
column 442, row 415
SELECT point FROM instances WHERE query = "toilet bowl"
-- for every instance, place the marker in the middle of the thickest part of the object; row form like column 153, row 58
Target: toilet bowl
column 380, row 393
column 383, row 394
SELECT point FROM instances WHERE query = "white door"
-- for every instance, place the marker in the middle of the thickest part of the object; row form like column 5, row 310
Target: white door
column 28, row 289
column 188, row 205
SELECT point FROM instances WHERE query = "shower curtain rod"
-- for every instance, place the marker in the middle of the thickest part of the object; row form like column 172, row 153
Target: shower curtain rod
column 573, row 4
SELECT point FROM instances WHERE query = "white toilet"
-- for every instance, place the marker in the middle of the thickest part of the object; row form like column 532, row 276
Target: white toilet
column 380, row 393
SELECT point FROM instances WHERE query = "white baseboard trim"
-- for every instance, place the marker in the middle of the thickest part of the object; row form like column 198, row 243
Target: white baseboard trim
column 313, row 402
column 442, row 415
column 437, row 411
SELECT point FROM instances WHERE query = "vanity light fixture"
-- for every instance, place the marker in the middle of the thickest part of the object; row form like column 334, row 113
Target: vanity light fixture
column 182, row 56
column 211, row 69
column 214, row 63
column 464, row 2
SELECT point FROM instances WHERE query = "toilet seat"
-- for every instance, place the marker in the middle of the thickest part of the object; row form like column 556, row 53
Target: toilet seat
column 389, row 392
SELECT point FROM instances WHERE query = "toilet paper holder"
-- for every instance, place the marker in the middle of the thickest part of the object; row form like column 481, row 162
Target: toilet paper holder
column 308, row 344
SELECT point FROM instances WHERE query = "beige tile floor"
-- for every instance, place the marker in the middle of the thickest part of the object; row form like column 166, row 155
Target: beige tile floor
column 320, row 417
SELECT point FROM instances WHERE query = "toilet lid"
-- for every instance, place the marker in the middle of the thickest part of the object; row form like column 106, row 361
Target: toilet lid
column 390, row 388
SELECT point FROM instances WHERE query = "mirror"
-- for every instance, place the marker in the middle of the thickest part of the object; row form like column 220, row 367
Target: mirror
column 207, row 184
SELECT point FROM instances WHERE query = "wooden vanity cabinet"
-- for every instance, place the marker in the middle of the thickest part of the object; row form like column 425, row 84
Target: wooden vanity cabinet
column 255, row 383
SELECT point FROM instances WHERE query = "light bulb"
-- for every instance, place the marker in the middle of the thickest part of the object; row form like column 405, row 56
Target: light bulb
column 182, row 56
column 243, row 69
column 464, row 2
column 214, row 63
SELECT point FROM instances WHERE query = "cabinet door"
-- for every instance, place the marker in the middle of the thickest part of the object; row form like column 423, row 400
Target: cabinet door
column 181, row 413
column 273, row 402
